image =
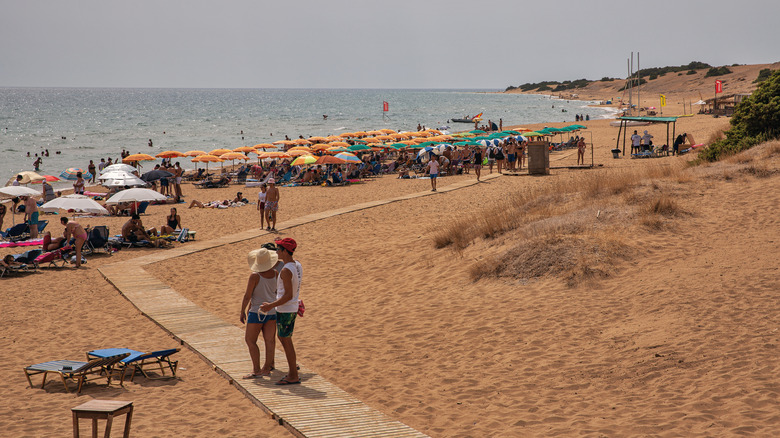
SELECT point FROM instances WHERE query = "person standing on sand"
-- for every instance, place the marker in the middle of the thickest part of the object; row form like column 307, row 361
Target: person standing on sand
column 433, row 168
column 288, row 289
column 260, row 288
column 581, row 151
column 31, row 215
column 3, row 209
column 177, row 172
column 636, row 142
column 271, row 205
column 261, row 203
column 91, row 169
column 78, row 186
column 478, row 162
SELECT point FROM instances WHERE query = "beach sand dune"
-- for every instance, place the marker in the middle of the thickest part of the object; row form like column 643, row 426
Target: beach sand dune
column 681, row 338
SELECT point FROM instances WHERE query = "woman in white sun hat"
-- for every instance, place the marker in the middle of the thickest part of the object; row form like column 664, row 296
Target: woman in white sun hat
column 260, row 288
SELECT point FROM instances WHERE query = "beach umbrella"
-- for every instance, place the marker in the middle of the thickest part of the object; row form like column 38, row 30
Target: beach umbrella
column 348, row 158
column 78, row 203
column 114, row 174
column 28, row 176
column 245, row 149
column 14, row 191
column 336, row 149
column 220, row 151
column 169, row 154
column 477, row 131
column 510, row 132
column 398, row 136
column 70, row 173
column 320, row 147
column 328, row 159
column 359, row 134
column 49, row 178
column 387, row 131
column 207, row 159
column 264, row 146
column 136, row 195
column 358, row 147
column 375, row 132
column 233, row 156
column 304, row 160
column 122, row 180
column 340, row 143
column 194, row 153
column 301, row 141
column 318, row 139
column 299, row 148
column 274, row 154
column 154, row 175
column 372, row 140
column 298, row 153
column 333, row 138
column 384, row 137
column 284, row 142
column 120, row 167
column 137, row 157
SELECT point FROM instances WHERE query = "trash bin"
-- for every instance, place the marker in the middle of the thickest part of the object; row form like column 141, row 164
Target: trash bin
column 538, row 158
column 615, row 153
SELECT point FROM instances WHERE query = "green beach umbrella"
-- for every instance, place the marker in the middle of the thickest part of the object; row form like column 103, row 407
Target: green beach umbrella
column 477, row 131
column 534, row 134
column 358, row 147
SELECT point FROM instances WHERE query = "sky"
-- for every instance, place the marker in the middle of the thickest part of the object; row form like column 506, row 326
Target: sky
column 486, row 44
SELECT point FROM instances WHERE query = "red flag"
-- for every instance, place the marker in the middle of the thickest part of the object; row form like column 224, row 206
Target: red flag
column 385, row 106
column 718, row 87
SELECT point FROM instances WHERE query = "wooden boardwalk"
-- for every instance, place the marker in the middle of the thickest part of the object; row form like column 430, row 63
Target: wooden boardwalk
column 316, row 408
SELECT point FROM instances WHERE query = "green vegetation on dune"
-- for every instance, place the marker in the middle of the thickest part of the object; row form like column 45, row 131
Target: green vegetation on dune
column 756, row 120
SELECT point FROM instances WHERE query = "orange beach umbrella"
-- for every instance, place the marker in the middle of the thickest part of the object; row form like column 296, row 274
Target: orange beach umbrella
column 194, row 153
column 169, row 154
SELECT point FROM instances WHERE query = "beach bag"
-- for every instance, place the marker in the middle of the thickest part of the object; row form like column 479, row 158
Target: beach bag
column 301, row 308
column 491, row 153
column 485, row 161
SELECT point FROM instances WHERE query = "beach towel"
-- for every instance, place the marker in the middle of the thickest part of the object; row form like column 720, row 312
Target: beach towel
column 33, row 242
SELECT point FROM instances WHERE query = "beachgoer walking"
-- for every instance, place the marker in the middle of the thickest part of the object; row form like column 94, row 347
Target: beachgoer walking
column 75, row 230
column 31, row 215
column 511, row 153
column 261, row 203
column 478, row 161
column 581, row 151
column 499, row 158
column 260, row 288
column 271, row 205
column 433, row 167
column 288, row 289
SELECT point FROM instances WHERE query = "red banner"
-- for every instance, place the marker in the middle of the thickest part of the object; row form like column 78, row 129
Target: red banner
column 718, row 87
column 385, row 106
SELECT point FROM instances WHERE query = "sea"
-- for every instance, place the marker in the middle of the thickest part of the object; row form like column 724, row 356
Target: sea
column 76, row 125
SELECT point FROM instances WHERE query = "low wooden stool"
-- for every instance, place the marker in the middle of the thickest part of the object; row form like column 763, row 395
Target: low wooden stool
column 102, row 409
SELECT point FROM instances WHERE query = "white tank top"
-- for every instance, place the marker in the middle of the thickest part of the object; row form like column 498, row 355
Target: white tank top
column 297, row 272
column 261, row 197
column 265, row 292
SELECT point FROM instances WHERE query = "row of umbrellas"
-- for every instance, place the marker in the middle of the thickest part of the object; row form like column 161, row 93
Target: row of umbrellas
column 81, row 203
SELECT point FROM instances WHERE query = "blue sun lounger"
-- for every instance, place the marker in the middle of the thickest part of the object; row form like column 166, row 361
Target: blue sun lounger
column 138, row 360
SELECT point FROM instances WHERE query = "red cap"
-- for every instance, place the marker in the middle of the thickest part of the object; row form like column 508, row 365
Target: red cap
column 287, row 243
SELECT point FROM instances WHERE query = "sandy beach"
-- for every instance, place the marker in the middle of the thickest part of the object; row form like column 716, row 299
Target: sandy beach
column 672, row 332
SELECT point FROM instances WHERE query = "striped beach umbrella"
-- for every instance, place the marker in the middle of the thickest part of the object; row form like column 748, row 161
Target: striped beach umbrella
column 348, row 158
column 303, row 160
column 70, row 173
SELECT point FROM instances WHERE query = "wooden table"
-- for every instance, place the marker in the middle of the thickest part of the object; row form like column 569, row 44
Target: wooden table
column 102, row 409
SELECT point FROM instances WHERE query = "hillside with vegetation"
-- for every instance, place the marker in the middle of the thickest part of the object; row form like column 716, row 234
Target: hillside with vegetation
column 694, row 80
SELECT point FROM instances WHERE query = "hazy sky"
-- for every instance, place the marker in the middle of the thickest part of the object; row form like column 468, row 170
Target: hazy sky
column 368, row 43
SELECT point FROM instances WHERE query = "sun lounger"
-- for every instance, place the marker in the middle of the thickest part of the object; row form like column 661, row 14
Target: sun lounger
column 138, row 360
column 16, row 232
column 77, row 370
column 53, row 257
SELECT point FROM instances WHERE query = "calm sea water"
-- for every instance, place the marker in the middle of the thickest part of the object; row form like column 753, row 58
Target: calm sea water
column 84, row 124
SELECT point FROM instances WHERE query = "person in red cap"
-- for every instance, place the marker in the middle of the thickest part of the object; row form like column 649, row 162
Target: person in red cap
column 288, row 288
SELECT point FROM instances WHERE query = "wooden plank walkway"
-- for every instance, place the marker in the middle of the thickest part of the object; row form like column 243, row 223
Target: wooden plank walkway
column 316, row 408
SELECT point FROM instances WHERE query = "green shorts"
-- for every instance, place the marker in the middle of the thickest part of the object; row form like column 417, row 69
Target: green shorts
column 285, row 324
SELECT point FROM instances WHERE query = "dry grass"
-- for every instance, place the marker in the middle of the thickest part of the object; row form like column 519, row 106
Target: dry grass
column 715, row 136
column 758, row 170
column 575, row 258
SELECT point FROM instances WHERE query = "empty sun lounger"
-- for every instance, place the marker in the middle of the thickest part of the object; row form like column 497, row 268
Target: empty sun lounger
column 97, row 368
column 138, row 360
column 98, row 238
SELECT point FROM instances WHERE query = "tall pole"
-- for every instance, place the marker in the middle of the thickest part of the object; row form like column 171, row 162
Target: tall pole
column 631, row 86
column 638, row 86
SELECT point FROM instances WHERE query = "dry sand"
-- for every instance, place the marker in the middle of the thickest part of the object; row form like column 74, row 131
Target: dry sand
column 680, row 340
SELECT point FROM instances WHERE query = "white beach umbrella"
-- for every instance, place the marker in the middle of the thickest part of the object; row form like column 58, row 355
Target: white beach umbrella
column 120, row 179
column 120, row 167
column 13, row 191
column 79, row 203
column 136, row 195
